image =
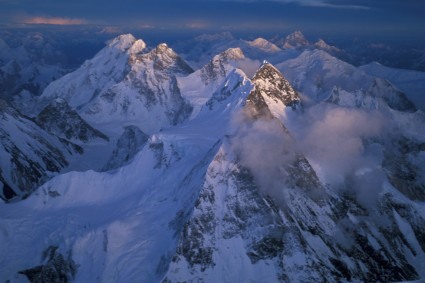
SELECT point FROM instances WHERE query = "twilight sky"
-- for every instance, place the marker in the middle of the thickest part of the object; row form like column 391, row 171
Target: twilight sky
column 369, row 17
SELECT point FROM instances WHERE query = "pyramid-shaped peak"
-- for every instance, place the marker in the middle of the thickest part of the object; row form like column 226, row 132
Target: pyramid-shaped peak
column 270, row 83
column 267, row 68
column 295, row 40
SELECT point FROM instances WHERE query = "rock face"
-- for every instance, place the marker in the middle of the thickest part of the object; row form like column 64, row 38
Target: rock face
column 129, row 143
column 124, row 84
column 233, row 224
column 56, row 268
column 29, row 154
column 294, row 40
column 296, row 229
column 272, row 88
column 219, row 67
column 59, row 119
column 211, row 175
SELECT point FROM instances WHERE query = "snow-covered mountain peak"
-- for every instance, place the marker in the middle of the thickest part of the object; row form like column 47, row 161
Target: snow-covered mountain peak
column 122, row 42
column 127, row 43
column 165, row 59
column 220, row 66
column 295, row 40
column 322, row 45
column 138, row 47
column 273, row 91
column 264, row 45
column 106, row 68
column 231, row 54
column 267, row 71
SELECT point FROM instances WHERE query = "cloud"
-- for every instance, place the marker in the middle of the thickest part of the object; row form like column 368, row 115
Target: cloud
column 338, row 142
column 334, row 140
column 266, row 150
column 54, row 21
column 248, row 66
column 196, row 25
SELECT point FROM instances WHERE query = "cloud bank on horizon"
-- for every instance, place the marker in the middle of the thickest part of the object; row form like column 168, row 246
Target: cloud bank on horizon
column 343, row 16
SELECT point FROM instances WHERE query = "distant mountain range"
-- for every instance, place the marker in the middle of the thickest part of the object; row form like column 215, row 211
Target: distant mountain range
column 234, row 161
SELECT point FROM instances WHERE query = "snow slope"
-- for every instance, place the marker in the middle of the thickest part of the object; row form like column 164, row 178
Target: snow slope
column 124, row 225
column 29, row 155
column 410, row 82
column 110, row 90
column 248, row 184
column 318, row 76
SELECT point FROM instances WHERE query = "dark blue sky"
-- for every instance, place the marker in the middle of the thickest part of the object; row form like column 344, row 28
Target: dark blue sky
column 355, row 17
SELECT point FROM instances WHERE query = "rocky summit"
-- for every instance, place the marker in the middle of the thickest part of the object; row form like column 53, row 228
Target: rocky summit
column 136, row 167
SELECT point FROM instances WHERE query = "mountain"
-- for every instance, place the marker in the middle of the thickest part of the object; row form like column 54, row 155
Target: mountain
column 172, row 165
column 410, row 82
column 199, row 51
column 316, row 74
column 273, row 87
column 30, row 155
column 26, row 70
column 199, row 86
column 333, row 50
column 272, row 217
column 111, row 89
column 59, row 119
column 100, row 73
column 128, row 144
column 293, row 40
column 309, row 170
column 264, row 45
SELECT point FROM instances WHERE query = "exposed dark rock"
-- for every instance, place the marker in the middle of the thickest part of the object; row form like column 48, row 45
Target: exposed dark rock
column 56, row 268
column 59, row 119
column 130, row 142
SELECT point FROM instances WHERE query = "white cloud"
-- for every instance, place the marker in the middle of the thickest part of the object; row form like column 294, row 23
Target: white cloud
column 333, row 138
